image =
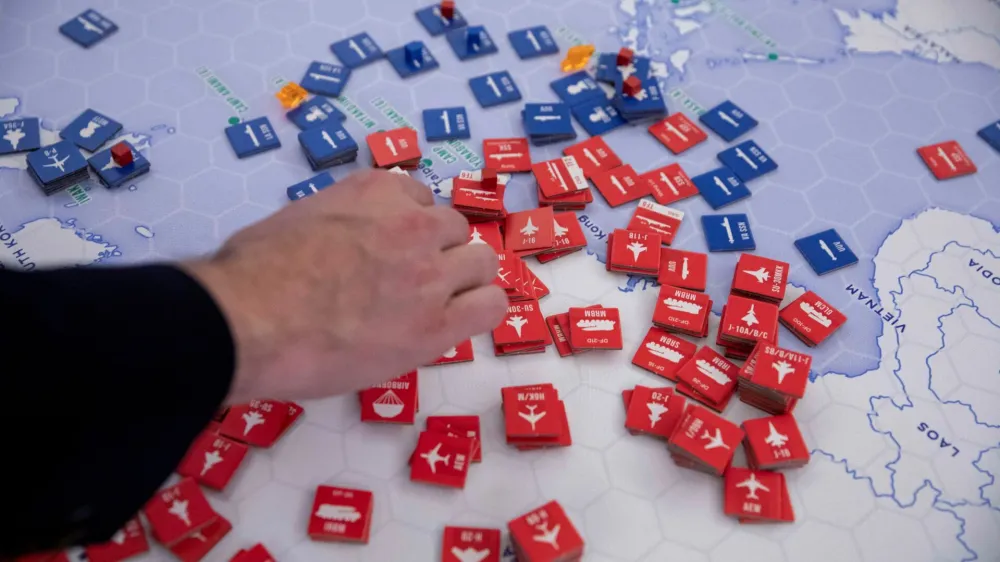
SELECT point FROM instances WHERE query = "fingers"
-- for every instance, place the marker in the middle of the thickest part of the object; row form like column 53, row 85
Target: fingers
column 410, row 187
column 452, row 229
column 475, row 312
column 469, row 267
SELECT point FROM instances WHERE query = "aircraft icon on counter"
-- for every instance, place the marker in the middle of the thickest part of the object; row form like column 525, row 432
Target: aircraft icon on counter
column 714, row 442
column 433, row 458
column 753, row 485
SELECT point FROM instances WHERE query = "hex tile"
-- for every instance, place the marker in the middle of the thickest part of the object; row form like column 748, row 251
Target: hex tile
column 684, row 519
column 802, row 129
column 180, row 157
column 910, row 116
column 399, row 542
column 575, row 475
column 501, row 486
column 116, row 93
column 764, row 100
column 205, row 119
column 239, row 218
column 877, row 536
column 277, row 502
column 866, row 87
column 213, row 192
column 965, row 111
column 611, row 534
column 838, row 201
column 789, row 216
column 813, row 92
column 204, row 50
column 592, row 415
column 32, row 67
column 922, row 80
column 848, row 161
column 57, row 99
column 424, row 506
column 641, row 466
column 284, row 16
column 176, row 88
column 260, row 47
column 342, row 16
column 799, row 169
column 146, row 58
column 857, row 123
column 155, row 198
column 173, row 24
column 744, row 546
column 184, row 234
column 840, row 500
column 300, row 463
column 229, row 19
column 29, row 11
column 380, row 450
column 85, row 66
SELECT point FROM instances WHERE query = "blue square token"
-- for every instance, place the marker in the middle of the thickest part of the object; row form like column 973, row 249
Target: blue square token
column 325, row 79
column 20, row 135
column 494, row 89
column 728, row 233
column 728, row 121
column 252, row 137
column 597, row 116
column 446, row 123
column 826, row 251
column 720, row 187
column 111, row 174
column 608, row 70
column 328, row 145
column 436, row 24
column 991, row 134
column 548, row 119
column 578, row 88
column 90, row 130
column 357, row 50
column 315, row 112
column 406, row 67
column 747, row 160
column 533, row 42
column 88, row 28
column 647, row 104
column 55, row 162
column 310, row 186
column 471, row 42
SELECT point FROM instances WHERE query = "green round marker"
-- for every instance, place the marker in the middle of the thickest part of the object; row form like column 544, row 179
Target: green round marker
column 234, row 120
column 772, row 56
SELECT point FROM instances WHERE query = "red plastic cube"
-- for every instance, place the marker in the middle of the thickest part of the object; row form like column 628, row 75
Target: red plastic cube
column 632, row 86
column 121, row 153
column 625, row 56
column 447, row 9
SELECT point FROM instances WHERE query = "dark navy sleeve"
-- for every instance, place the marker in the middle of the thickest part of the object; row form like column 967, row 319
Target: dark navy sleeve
column 107, row 376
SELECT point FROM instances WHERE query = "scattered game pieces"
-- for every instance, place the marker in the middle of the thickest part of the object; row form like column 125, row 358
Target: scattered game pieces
column 991, row 134
column 656, row 219
column 398, row 147
column 757, row 495
column 113, row 174
column 494, row 89
column 728, row 121
column 314, row 113
column 535, row 417
column 683, row 269
column 826, row 251
column 654, row 411
column 291, row 95
column 663, row 353
column 324, row 79
column 126, row 543
column 545, row 534
column 252, row 137
column 212, row 460
column 411, row 59
column 685, row 312
column 728, row 233
column 90, row 130
column 577, row 58
column 177, row 512
column 357, row 50
column 20, row 135
column 441, row 18
column 548, row 123
column 704, row 441
column 747, row 160
column 678, row 133
column 774, row 379
column 328, row 145
column 394, row 401
column 459, row 426
column 760, row 278
column 341, row 515
column 471, row 42
column 811, row 319
column 577, row 88
column 720, row 187
column 946, row 160
column 88, row 28
column 310, row 186
column 446, row 123
column 58, row 166
column 774, row 443
column 464, row 544
column 533, row 42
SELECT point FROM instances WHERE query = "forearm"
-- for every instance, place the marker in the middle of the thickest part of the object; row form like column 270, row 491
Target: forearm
column 108, row 376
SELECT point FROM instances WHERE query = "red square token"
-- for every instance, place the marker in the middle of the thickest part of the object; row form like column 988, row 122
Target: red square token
column 294, row 411
column 258, row 423
column 459, row 426
column 461, row 353
column 811, row 318
column 710, row 375
column 524, row 323
column 749, row 321
column 567, row 232
column 126, row 543
column 488, row 178
column 559, row 337
column 707, row 437
column 655, row 411
column 760, row 277
column 776, row 441
column 393, row 401
column 681, row 310
column 442, row 460
column 507, row 155
column 341, row 514
column 546, row 534
column 754, row 494
column 178, row 511
column 466, row 544
column 633, row 251
column 678, row 133
column 683, row 269
column 197, row 545
column 398, row 147
column 563, row 439
column 212, row 460
column 947, row 160
column 781, row 370
column 620, row 185
column 669, row 184
column 560, row 177
column 595, row 328
column 656, row 219
column 508, row 272
column 486, row 233
column 662, row 353
column 573, row 202
column 531, row 411
column 594, row 156
column 469, row 197
column 530, row 230
column 256, row 553
column 534, row 286
column 685, row 389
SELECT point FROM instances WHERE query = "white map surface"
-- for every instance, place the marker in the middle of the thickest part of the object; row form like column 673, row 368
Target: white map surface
column 903, row 414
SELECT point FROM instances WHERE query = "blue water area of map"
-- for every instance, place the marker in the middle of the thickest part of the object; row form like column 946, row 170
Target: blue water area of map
column 357, row 50
column 533, row 42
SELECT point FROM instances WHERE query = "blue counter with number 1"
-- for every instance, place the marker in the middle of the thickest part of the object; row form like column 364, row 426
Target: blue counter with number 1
column 252, row 137
column 446, row 123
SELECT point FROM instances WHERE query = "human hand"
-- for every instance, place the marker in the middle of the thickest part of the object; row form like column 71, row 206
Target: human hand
column 359, row 283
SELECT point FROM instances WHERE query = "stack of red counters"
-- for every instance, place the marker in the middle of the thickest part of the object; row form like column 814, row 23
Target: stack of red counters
column 341, row 515
column 811, row 319
column 530, row 232
column 461, row 353
column 559, row 330
column 470, row 543
column 774, row 443
column 476, row 201
column 507, row 155
column 256, row 553
column 653, row 411
column 678, row 133
column 704, row 441
column 669, row 184
column 656, row 219
column 522, row 331
column 568, row 237
column 621, row 185
column 745, row 322
column 517, row 280
column 259, row 423
column 442, row 459
column 535, row 417
column 663, row 354
column 398, row 147
column 180, row 514
column 126, row 543
column 594, row 327
column 709, row 378
column 683, row 269
column 757, row 496
column 594, row 156
column 213, row 459
column 774, row 379
column 459, row 426
column 562, row 184
column 685, row 312
column 394, row 401
column 760, row 278
column 545, row 534
column 634, row 252
column 486, row 233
